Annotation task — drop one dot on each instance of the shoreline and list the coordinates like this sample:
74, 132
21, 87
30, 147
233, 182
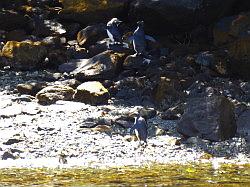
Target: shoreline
91, 136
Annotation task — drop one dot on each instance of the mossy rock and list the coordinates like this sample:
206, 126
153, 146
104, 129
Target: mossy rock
92, 92
25, 54
87, 11
51, 94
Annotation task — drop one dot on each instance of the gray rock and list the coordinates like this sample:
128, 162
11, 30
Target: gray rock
102, 66
205, 59
8, 155
124, 123
12, 141
243, 123
211, 118
71, 65
148, 113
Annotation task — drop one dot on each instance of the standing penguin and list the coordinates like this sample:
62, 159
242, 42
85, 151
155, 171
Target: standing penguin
140, 129
113, 31
139, 39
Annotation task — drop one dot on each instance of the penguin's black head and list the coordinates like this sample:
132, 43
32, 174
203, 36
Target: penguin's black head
140, 23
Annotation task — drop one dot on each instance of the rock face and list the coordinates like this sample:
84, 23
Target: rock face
91, 34
51, 94
168, 15
24, 55
243, 124
233, 32
102, 66
211, 118
86, 11
92, 92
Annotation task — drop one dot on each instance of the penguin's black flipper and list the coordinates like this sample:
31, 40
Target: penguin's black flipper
150, 38
130, 39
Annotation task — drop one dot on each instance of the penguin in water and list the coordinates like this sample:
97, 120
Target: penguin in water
140, 129
139, 39
113, 31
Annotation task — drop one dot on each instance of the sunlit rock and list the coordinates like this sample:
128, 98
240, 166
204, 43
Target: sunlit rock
92, 92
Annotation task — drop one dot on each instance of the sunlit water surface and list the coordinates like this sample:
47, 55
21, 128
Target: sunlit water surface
159, 175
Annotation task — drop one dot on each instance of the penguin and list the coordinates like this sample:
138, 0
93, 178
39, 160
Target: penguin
139, 39
113, 31
140, 129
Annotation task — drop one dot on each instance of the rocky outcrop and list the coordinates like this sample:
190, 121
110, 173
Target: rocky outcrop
24, 55
92, 92
86, 11
51, 94
233, 33
168, 16
211, 118
102, 66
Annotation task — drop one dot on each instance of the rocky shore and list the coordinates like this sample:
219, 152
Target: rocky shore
67, 97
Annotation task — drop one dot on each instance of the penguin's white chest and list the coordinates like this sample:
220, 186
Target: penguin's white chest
110, 36
137, 134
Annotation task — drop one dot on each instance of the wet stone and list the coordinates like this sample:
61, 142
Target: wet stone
8, 155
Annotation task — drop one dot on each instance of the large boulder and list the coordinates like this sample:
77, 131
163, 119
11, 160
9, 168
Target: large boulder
166, 92
233, 33
102, 66
243, 124
71, 65
168, 15
89, 11
51, 94
92, 92
24, 55
91, 34
210, 118
30, 88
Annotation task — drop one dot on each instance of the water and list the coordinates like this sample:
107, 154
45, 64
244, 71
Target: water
159, 175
